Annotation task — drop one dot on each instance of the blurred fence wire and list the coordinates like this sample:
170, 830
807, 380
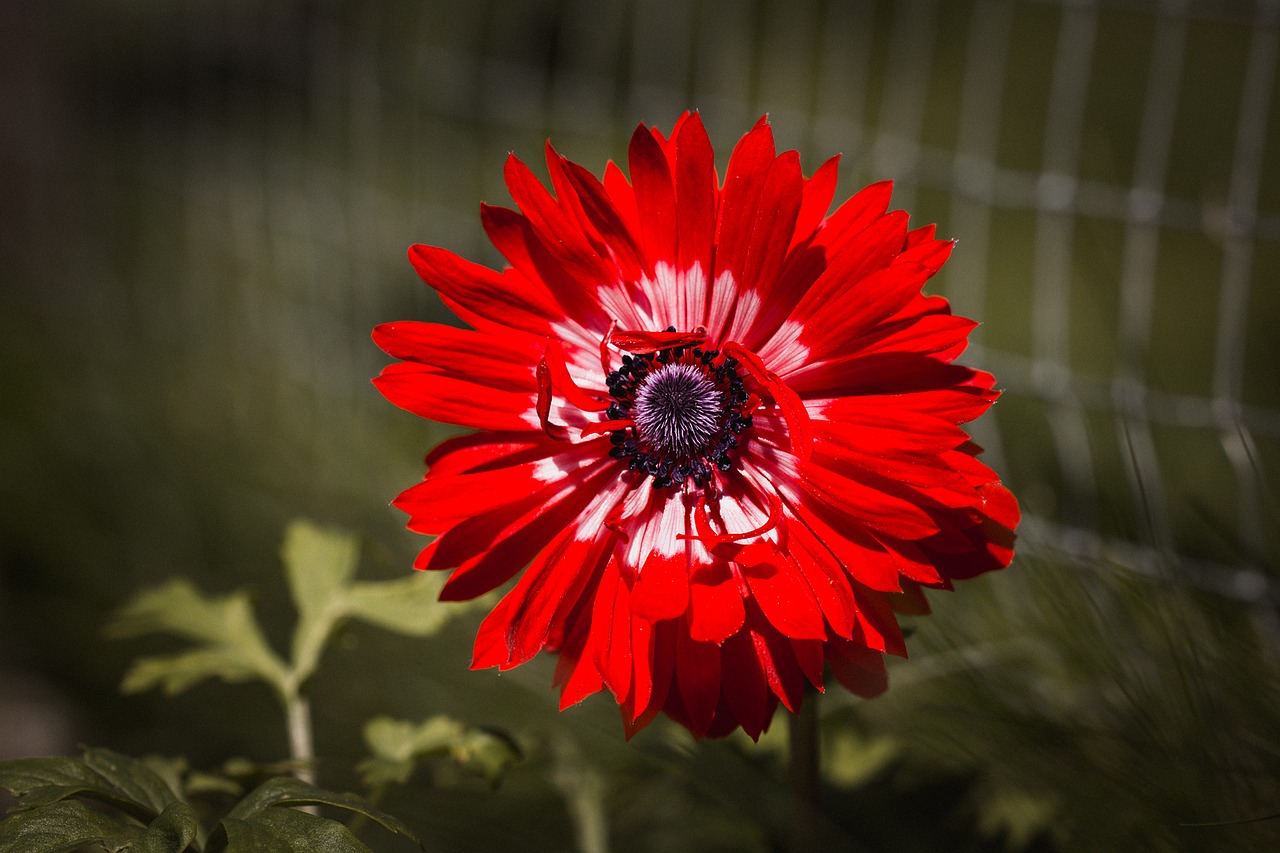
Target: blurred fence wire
206, 206
233, 185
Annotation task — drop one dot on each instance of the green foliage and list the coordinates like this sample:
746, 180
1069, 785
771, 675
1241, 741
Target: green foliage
148, 815
398, 746
229, 642
69, 825
118, 780
266, 821
147, 801
320, 566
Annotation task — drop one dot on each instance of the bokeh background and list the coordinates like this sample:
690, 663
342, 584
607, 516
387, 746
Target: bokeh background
204, 209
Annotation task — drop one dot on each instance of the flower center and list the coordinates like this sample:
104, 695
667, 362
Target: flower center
676, 410
687, 407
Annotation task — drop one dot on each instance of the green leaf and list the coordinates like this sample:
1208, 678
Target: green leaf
398, 746
289, 831
230, 644
124, 782
288, 791
172, 832
409, 605
198, 784
488, 754
319, 564
401, 739
66, 826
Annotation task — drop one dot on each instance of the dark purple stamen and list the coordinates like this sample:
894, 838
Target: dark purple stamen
687, 405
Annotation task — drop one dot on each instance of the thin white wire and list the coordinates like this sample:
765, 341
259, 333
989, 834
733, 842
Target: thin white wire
842, 85
971, 173
981, 96
1051, 294
1237, 267
896, 149
661, 54
1138, 274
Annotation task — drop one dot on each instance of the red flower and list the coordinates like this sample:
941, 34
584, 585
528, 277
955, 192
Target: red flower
718, 431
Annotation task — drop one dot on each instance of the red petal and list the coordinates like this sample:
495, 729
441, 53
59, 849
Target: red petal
816, 200
825, 577
511, 548
427, 393
612, 614
877, 427
859, 553
781, 672
749, 166
440, 501
549, 589
655, 198
849, 315
662, 589
576, 671
810, 259
793, 410
698, 680
641, 655
504, 362
768, 226
743, 684
876, 509
477, 292
873, 250
785, 598
695, 179
490, 648
809, 658
715, 603
877, 628
858, 669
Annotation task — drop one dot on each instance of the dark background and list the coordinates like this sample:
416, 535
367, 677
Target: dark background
205, 208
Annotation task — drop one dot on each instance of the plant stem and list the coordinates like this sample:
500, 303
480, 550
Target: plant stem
802, 733
297, 710
583, 793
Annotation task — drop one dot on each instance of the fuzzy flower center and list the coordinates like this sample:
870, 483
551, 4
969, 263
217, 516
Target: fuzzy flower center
676, 410
687, 408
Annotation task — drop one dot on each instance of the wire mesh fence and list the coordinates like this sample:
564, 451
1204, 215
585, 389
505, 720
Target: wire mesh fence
208, 205
239, 200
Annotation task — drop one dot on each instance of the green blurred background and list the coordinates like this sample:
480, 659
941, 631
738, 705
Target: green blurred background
206, 207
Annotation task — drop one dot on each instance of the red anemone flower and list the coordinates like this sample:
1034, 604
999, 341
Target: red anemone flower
718, 431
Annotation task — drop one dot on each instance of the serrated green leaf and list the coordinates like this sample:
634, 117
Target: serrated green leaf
288, 791
398, 746
171, 832
19, 776
319, 564
176, 673
241, 768
198, 784
288, 831
63, 827
132, 778
170, 769
401, 739
124, 782
409, 605
486, 753
230, 642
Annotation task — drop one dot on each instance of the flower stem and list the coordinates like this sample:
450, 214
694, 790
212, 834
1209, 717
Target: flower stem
805, 784
297, 711
583, 793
